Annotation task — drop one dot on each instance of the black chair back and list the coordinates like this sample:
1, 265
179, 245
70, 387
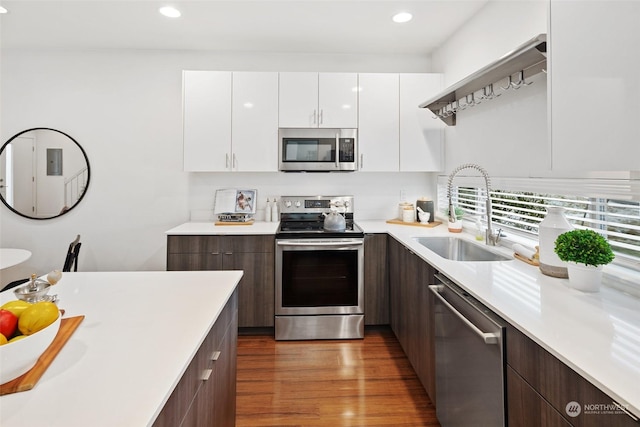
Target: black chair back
71, 261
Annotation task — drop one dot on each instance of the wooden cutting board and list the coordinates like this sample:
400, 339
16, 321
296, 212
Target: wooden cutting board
29, 380
250, 222
416, 224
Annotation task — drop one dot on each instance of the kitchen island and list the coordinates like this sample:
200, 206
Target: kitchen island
140, 334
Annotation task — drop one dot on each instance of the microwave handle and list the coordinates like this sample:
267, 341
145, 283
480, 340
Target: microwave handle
337, 150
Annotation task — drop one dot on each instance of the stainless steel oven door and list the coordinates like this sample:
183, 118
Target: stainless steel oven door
319, 276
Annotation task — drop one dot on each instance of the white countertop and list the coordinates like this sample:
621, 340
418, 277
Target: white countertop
597, 335
141, 330
209, 228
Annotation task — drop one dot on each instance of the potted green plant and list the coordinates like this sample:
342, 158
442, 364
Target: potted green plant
585, 252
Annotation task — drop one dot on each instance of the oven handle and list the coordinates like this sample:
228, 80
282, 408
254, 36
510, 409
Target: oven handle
488, 337
313, 242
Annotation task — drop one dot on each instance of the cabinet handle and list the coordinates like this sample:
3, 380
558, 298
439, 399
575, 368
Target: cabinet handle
215, 253
226, 161
235, 162
361, 160
314, 117
228, 253
321, 116
206, 374
215, 356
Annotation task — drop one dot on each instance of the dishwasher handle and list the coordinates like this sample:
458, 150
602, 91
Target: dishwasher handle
487, 337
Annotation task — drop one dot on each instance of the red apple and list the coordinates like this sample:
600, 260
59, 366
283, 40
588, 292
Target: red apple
8, 323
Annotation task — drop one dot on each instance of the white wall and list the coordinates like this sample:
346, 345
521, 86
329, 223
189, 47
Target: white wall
124, 108
508, 135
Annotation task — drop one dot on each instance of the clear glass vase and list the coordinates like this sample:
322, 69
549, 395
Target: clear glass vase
553, 225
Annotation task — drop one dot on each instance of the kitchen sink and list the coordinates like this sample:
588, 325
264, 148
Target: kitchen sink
457, 249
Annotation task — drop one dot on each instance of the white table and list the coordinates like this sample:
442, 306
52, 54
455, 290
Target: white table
10, 257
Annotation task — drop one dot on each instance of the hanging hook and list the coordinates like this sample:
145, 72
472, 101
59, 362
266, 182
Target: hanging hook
472, 102
512, 84
522, 82
489, 93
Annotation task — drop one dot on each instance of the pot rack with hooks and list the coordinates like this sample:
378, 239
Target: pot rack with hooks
515, 68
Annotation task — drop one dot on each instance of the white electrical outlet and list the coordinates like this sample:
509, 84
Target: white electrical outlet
403, 195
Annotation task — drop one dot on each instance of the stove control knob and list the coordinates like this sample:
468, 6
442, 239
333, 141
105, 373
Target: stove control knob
298, 204
287, 203
346, 203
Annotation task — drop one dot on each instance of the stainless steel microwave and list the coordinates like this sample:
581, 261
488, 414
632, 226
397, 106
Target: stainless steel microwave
318, 150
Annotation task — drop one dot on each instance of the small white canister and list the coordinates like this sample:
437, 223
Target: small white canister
401, 207
408, 213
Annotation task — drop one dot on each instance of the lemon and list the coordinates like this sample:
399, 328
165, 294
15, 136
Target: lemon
16, 338
37, 317
3, 339
16, 307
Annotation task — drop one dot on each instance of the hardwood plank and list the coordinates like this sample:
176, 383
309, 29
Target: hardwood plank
365, 382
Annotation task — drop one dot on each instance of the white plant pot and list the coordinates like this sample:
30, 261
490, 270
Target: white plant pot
586, 278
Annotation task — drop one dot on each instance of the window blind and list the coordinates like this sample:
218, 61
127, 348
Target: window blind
615, 216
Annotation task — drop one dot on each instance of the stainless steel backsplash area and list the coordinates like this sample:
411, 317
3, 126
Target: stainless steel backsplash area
376, 194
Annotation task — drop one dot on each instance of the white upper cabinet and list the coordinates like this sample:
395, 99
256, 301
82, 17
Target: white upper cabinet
207, 120
230, 121
326, 100
255, 122
379, 122
421, 137
338, 100
595, 89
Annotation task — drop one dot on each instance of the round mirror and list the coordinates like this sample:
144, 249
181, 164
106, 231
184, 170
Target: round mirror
44, 173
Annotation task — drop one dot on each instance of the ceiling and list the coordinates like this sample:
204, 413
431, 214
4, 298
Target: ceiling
289, 26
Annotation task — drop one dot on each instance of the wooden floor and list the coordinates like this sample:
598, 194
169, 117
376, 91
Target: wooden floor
329, 383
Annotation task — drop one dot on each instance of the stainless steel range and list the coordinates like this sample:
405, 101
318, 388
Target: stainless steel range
319, 272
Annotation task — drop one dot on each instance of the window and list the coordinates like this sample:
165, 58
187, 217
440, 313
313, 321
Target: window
521, 212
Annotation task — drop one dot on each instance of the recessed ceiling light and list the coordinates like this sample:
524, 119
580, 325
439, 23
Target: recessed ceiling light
402, 17
170, 12
3, 10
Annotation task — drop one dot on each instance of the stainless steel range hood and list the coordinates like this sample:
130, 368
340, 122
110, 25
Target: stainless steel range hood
529, 58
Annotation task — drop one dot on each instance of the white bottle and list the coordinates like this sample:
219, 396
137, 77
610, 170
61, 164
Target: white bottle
267, 212
274, 211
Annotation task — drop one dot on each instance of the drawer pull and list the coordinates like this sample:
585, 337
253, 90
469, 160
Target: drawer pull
206, 374
215, 355
215, 253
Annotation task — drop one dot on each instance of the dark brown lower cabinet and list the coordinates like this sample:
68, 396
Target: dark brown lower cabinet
527, 408
376, 280
254, 254
412, 319
206, 394
538, 381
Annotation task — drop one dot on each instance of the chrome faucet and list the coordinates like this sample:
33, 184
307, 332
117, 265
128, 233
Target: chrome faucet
490, 238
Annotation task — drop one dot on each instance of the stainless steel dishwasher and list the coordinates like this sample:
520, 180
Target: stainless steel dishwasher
469, 346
